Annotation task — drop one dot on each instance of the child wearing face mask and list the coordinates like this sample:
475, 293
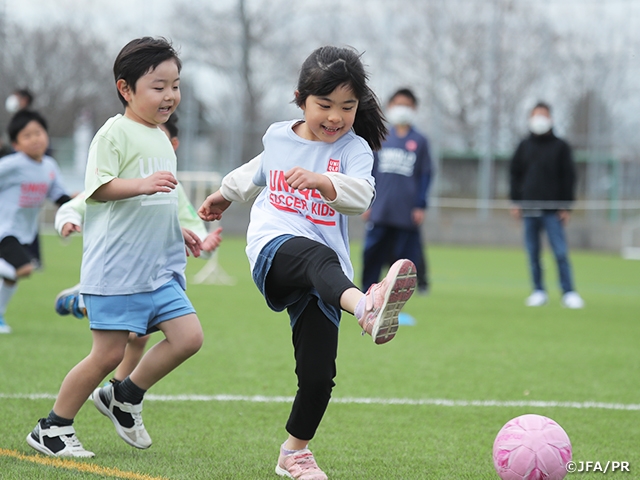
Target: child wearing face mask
542, 186
402, 170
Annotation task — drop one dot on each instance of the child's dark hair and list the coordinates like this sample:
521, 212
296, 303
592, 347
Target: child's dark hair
405, 92
20, 120
140, 56
172, 126
330, 67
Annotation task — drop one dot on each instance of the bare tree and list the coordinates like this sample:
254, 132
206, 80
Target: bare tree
466, 58
246, 47
67, 69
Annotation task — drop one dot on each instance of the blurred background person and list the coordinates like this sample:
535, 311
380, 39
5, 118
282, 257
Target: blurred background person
402, 169
22, 99
543, 180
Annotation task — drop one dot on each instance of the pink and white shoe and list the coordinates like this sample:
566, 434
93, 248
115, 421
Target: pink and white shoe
384, 301
299, 465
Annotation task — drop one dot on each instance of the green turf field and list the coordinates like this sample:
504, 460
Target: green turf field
474, 341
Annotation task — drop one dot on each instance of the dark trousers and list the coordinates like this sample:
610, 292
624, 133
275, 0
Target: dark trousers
301, 263
384, 245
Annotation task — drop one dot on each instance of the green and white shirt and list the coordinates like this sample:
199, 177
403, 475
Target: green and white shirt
74, 211
133, 245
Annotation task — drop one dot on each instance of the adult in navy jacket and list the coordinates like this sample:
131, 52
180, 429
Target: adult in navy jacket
402, 170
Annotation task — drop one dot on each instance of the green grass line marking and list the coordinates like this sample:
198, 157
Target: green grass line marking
81, 467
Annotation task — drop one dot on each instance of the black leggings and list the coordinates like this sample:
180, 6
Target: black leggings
301, 263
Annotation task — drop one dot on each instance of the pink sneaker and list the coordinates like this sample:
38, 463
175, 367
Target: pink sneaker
300, 465
384, 301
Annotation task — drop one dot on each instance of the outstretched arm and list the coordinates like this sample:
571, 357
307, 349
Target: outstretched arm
121, 188
237, 186
213, 207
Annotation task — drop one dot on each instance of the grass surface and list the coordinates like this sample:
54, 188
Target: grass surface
473, 340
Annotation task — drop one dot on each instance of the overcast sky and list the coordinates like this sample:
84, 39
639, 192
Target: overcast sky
118, 19
149, 17
121, 11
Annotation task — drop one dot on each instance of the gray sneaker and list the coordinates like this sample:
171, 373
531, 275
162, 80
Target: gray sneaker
56, 441
126, 417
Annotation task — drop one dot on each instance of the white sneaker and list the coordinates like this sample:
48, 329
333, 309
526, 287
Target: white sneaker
56, 441
572, 300
127, 418
537, 299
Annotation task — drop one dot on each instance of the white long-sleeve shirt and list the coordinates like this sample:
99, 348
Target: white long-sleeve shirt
280, 209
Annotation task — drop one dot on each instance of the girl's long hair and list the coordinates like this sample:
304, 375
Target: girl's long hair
330, 67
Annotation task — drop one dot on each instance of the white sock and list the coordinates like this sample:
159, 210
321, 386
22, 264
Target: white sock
6, 292
7, 270
359, 311
290, 452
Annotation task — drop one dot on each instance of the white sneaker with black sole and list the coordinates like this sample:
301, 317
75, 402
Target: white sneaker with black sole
56, 441
126, 417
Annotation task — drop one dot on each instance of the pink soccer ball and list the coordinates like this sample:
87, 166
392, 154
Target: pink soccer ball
531, 447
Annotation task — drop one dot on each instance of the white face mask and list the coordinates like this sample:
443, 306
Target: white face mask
401, 115
540, 124
12, 104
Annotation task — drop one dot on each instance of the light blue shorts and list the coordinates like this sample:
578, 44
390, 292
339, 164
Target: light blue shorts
139, 312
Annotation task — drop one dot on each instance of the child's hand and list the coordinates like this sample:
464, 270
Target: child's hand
192, 241
418, 215
68, 228
299, 178
213, 207
159, 182
212, 241
302, 179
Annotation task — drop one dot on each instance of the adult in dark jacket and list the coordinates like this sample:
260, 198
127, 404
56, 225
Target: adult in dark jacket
543, 179
402, 169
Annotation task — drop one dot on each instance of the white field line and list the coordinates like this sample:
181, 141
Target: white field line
440, 402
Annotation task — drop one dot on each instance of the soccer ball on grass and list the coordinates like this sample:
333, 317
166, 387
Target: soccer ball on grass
531, 447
